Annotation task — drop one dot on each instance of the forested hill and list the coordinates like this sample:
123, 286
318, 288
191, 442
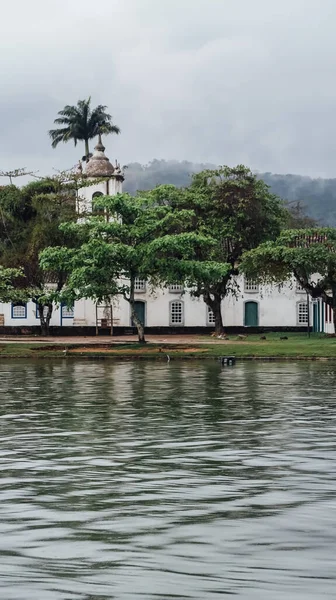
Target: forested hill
318, 196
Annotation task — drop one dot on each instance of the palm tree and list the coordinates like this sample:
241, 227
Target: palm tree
82, 123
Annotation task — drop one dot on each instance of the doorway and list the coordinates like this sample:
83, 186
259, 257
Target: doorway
139, 308
251, 316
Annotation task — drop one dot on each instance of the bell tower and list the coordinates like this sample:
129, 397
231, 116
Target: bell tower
105, 179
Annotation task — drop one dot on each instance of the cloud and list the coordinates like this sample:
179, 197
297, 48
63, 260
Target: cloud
222, 81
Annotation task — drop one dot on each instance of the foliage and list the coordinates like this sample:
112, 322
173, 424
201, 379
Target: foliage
30, 219
221, 214
111, 254
193, 236
10, 289
82, 123
307, 254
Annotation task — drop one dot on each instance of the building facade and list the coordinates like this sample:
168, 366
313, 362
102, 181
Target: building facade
176, 309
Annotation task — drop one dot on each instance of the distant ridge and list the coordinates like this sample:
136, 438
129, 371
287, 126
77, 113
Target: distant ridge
318, 196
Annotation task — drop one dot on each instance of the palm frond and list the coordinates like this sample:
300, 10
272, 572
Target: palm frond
62, 121
82, 123
60, 135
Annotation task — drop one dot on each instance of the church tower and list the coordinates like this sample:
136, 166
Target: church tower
105, 179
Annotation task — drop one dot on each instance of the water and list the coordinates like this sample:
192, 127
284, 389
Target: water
180, 480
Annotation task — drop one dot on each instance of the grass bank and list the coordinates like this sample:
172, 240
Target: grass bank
296, 346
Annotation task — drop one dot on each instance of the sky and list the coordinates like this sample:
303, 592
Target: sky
221, 81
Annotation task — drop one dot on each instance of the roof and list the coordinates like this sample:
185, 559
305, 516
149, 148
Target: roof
99, 165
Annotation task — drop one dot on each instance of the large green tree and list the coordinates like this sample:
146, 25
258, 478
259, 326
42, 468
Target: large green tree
231, 209
29, 221
115, 249
82, 123
308, 255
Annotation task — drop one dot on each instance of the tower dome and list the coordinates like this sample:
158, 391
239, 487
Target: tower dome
99, 165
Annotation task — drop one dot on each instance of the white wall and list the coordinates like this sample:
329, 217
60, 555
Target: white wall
111, 188
31, 319
277, 308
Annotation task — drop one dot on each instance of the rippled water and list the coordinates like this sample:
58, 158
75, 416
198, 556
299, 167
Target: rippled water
180, 480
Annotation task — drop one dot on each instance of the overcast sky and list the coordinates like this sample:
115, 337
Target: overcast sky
223, 81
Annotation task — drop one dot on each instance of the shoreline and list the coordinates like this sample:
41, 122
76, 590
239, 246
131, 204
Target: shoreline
252, 348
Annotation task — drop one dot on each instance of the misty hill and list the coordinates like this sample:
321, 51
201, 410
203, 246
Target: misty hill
318, 196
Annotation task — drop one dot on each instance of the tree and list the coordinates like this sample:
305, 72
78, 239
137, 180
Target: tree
223, 213
309, 255
82, 123
30, 219
22, 172
111, 252
193, 236
10, 289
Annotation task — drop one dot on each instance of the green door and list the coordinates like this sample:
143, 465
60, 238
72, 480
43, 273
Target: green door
139, 308
251, 318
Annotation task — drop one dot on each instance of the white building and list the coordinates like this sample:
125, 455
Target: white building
173, 308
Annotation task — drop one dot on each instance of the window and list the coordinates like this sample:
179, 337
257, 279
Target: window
67, 312
302, 313
176, 288
45, 311
251, 286
176, 313
139, 285
96, 211
210, 316
19, 310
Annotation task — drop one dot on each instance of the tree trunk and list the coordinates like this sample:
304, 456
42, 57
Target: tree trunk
45, 319
87, 151
214, 303
219, 327
139, 325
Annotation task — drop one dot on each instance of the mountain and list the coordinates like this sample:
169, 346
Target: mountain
316, 196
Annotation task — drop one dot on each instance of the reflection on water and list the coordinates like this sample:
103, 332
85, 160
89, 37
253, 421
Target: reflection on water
180, 480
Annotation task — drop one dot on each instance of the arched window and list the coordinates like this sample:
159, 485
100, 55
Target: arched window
19, 310
96, 211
